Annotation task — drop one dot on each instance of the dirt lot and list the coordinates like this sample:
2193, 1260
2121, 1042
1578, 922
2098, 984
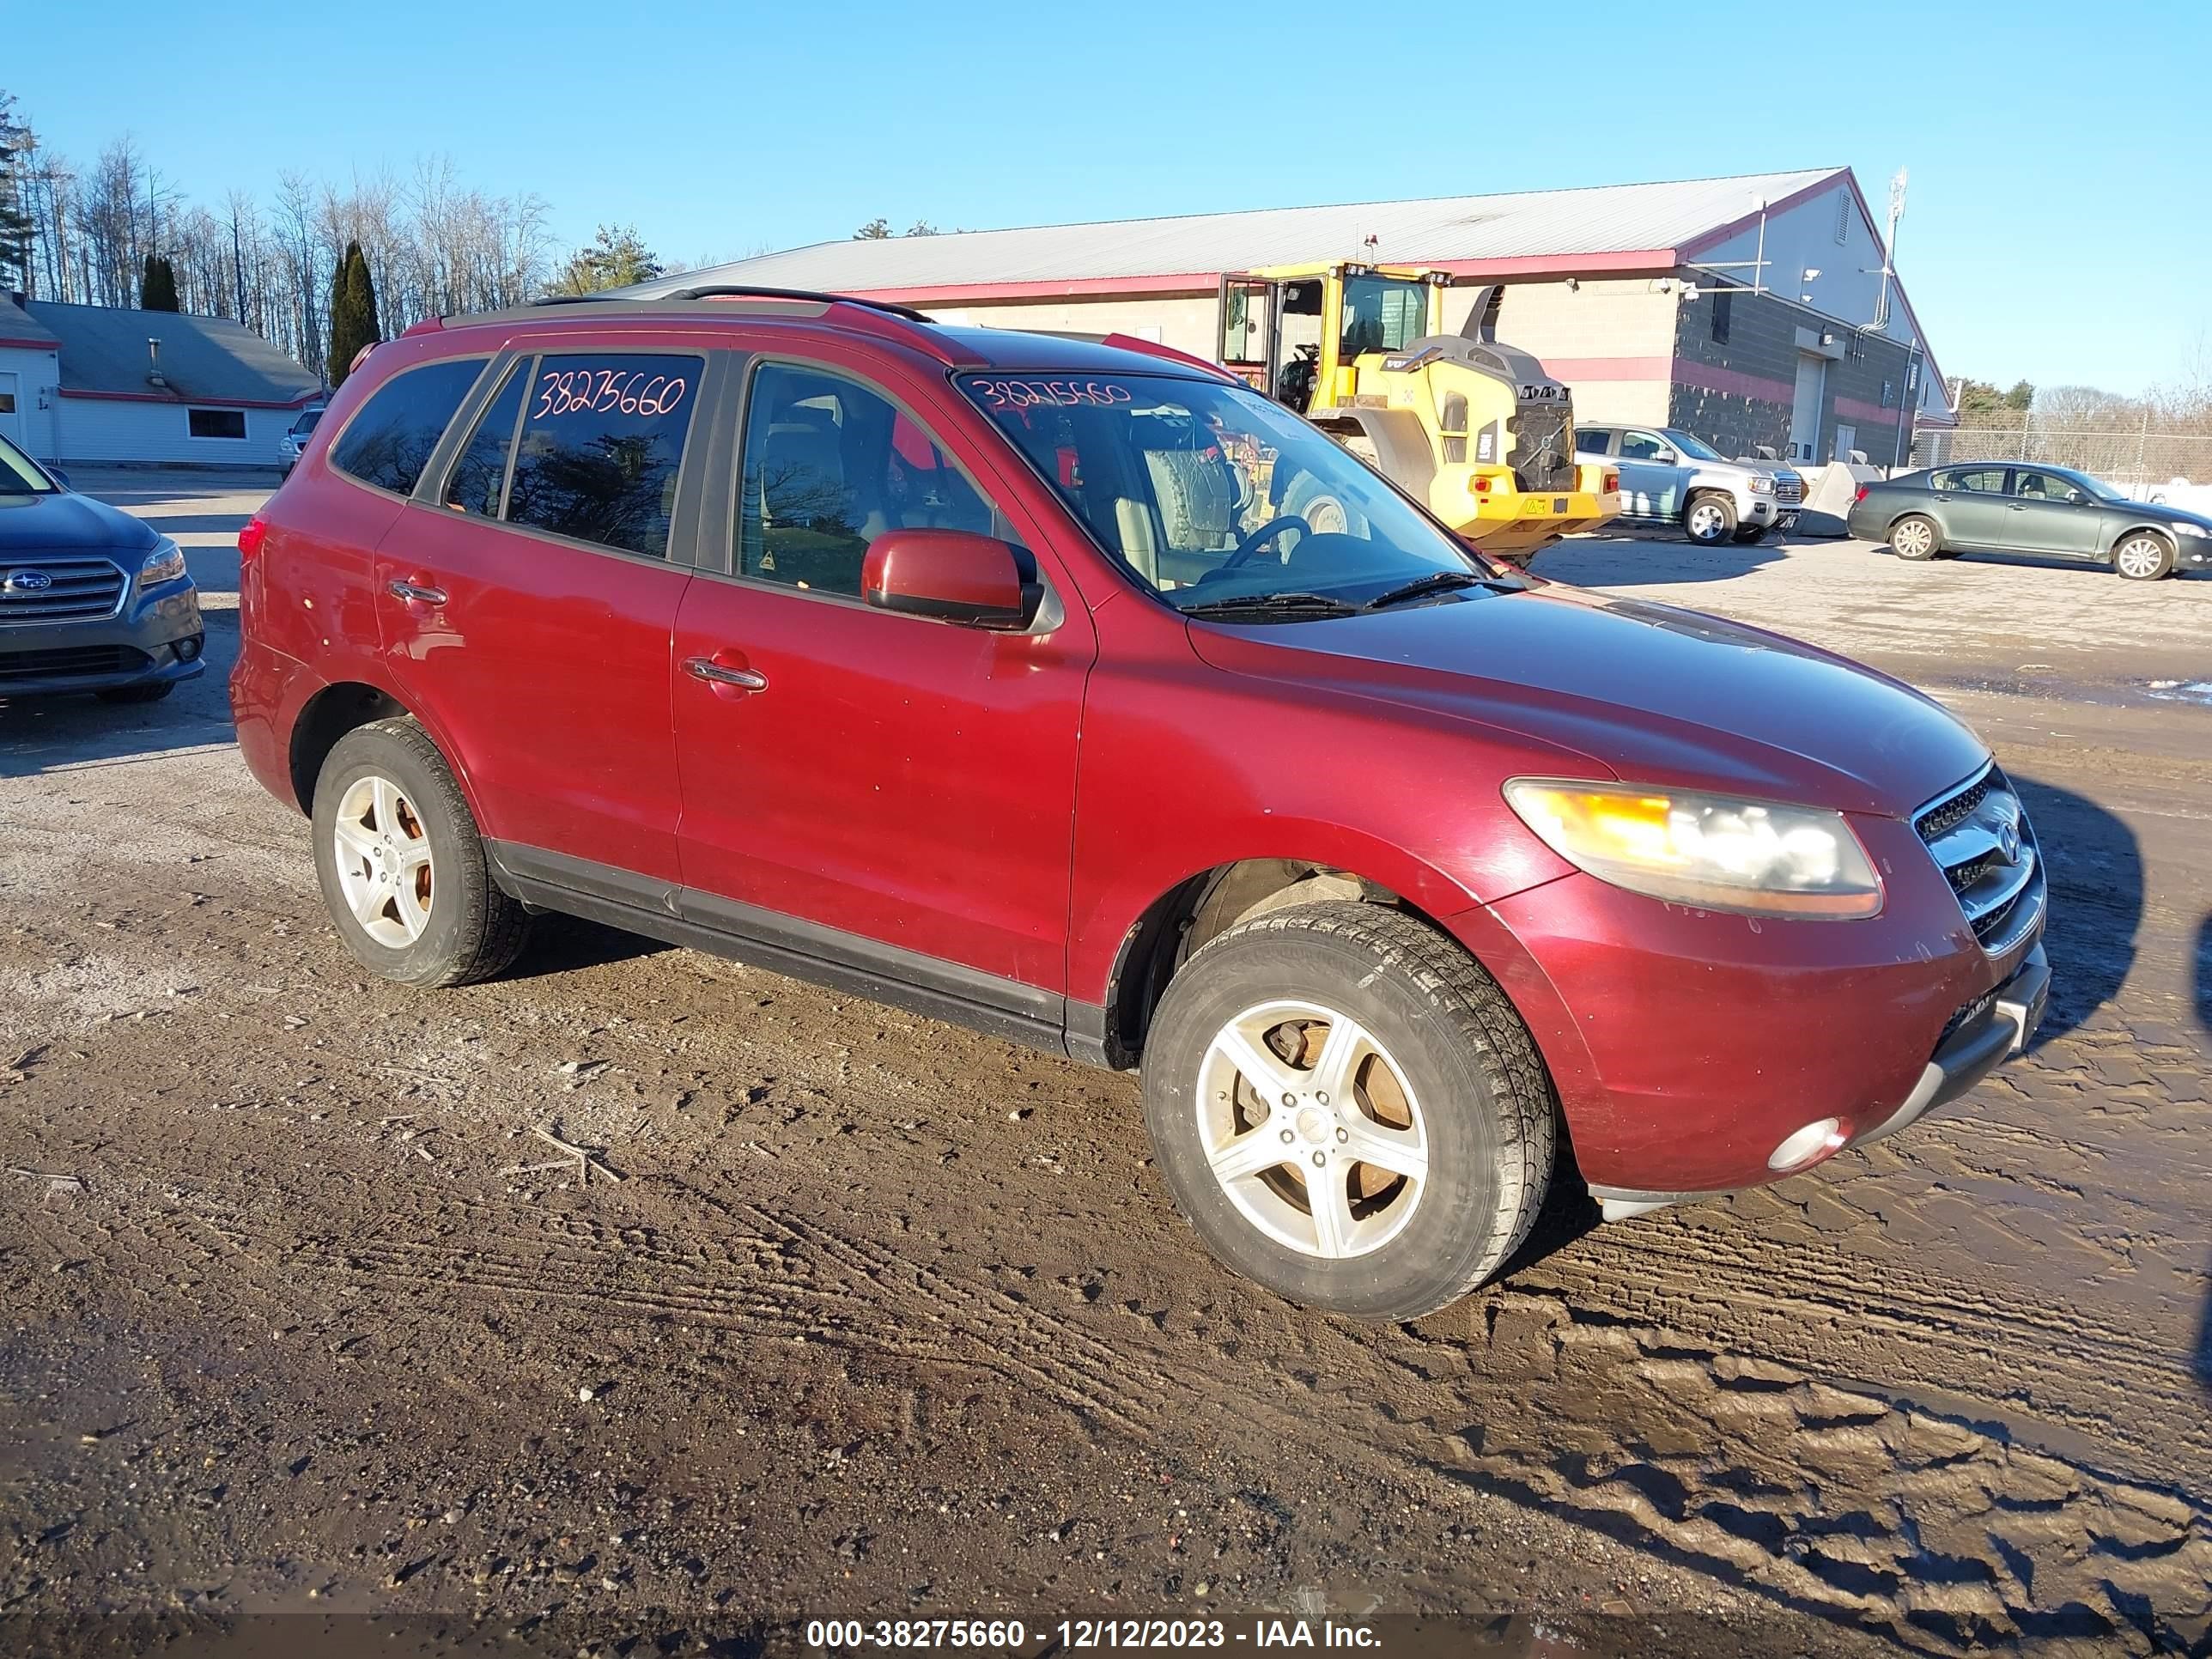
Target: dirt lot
889, 1320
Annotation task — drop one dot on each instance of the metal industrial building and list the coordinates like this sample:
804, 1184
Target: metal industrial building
1755, 310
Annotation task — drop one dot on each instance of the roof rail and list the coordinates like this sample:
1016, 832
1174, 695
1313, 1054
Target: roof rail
741, 291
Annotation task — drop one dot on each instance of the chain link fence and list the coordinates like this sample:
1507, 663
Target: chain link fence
2140, 461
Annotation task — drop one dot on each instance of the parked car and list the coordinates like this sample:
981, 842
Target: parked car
91, 599
296, 435
1670, 477
1996, 507
983, 673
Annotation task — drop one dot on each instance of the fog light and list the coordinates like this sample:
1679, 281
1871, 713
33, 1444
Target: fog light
187, 649
1809, 1145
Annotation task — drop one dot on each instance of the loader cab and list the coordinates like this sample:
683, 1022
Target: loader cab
1296, 333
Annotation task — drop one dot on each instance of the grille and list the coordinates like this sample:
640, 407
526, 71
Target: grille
1540, 457
1969, 832
1789, 488
76, 589
72, 662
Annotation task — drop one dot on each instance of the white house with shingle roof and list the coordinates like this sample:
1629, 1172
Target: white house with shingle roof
110, 384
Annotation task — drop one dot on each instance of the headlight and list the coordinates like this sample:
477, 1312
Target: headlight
1709, 851
164, 564
1762, 486
2189, 529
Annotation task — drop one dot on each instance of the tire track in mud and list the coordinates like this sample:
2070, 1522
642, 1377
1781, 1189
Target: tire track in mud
1786, 1298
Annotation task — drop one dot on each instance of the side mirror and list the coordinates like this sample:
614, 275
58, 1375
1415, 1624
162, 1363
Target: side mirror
1666, 458
2075, 497
952, 576
61, 478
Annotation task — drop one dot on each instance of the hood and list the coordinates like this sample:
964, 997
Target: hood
68, 523
2158, 513
1647, 693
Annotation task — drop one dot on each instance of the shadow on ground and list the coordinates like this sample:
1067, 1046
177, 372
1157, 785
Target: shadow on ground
1608, 561
2096, 879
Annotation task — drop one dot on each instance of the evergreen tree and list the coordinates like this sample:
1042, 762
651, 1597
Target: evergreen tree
874, 231
616, 257
157, 289
353, 313
15, 223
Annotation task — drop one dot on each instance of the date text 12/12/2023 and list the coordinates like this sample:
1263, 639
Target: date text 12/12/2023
1000, 1636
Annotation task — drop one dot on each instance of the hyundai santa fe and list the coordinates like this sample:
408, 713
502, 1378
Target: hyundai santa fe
984, 673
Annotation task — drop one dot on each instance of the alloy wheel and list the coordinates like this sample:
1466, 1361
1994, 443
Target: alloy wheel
384, 864
1706, 523
1312, 1129
1913, 540
2140, 557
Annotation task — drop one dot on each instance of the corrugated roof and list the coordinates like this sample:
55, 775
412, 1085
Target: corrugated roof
1529, 224
204, 359
17, 324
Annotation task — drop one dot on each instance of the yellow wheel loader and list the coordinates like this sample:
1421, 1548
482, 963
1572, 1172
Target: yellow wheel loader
1475, 431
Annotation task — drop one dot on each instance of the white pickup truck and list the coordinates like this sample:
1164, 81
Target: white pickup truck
1672, 478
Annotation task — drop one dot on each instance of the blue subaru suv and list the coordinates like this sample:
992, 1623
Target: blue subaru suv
91, 599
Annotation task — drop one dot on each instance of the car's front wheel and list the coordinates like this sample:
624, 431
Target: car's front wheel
2143, 557
1709, 520
1348, 1109
402, 868
1915, 537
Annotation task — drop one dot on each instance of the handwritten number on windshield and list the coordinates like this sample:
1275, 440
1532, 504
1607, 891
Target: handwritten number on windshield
608, 392
1026, 394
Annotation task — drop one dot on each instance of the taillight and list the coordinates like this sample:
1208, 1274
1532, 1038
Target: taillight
1613, 482
251, 537
1480, 486
1860, 496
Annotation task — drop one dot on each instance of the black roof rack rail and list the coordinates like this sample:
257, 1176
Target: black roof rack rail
741, 291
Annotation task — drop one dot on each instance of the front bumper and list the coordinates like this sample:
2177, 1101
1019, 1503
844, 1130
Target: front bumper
2191, 552
156, 636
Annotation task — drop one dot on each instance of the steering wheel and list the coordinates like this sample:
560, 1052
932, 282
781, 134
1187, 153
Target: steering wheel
1259, 538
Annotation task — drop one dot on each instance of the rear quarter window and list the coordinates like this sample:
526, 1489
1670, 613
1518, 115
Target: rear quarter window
601, 445
390, 437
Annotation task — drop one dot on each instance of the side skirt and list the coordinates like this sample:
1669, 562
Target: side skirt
822, 956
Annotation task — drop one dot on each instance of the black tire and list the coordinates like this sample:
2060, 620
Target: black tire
474, 931
1709, 518
1491, 1120
1916, 536
2143, 555
152, 692
1746, 534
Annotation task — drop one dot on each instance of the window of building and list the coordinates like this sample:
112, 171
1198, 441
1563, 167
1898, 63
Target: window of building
215, 422
600, 447
390, 437
1723, 304
479, 476
829, 466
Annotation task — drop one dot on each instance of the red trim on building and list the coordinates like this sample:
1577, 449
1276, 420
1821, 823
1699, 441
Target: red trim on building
179, 401
31, 345
1852, 409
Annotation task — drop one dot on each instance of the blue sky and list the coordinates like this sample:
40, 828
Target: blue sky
2059, 229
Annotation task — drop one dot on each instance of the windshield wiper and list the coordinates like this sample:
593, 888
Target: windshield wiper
1439, 581
1285, 607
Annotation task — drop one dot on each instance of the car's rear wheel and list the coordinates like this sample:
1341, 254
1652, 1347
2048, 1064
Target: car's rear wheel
402, 868
1348, 1109
2143, 557
1915, 537
153, 692
1709, 518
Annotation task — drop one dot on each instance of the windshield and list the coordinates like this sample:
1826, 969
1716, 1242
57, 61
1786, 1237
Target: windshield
2096, 491
1209, 492
1697, 448
306, 423
19, 474
1383, 313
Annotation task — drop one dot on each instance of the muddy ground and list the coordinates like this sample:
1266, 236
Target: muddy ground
888, 1320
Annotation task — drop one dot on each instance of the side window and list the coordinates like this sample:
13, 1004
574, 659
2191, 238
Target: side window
480, 473
2042, 487
1592, 441
1640, 447
1980, 481
601, 444
829, 466
389, 439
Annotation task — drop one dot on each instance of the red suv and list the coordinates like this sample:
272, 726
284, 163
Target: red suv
1074, 691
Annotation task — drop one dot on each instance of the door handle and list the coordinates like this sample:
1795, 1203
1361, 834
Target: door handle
415, 593
741, 679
